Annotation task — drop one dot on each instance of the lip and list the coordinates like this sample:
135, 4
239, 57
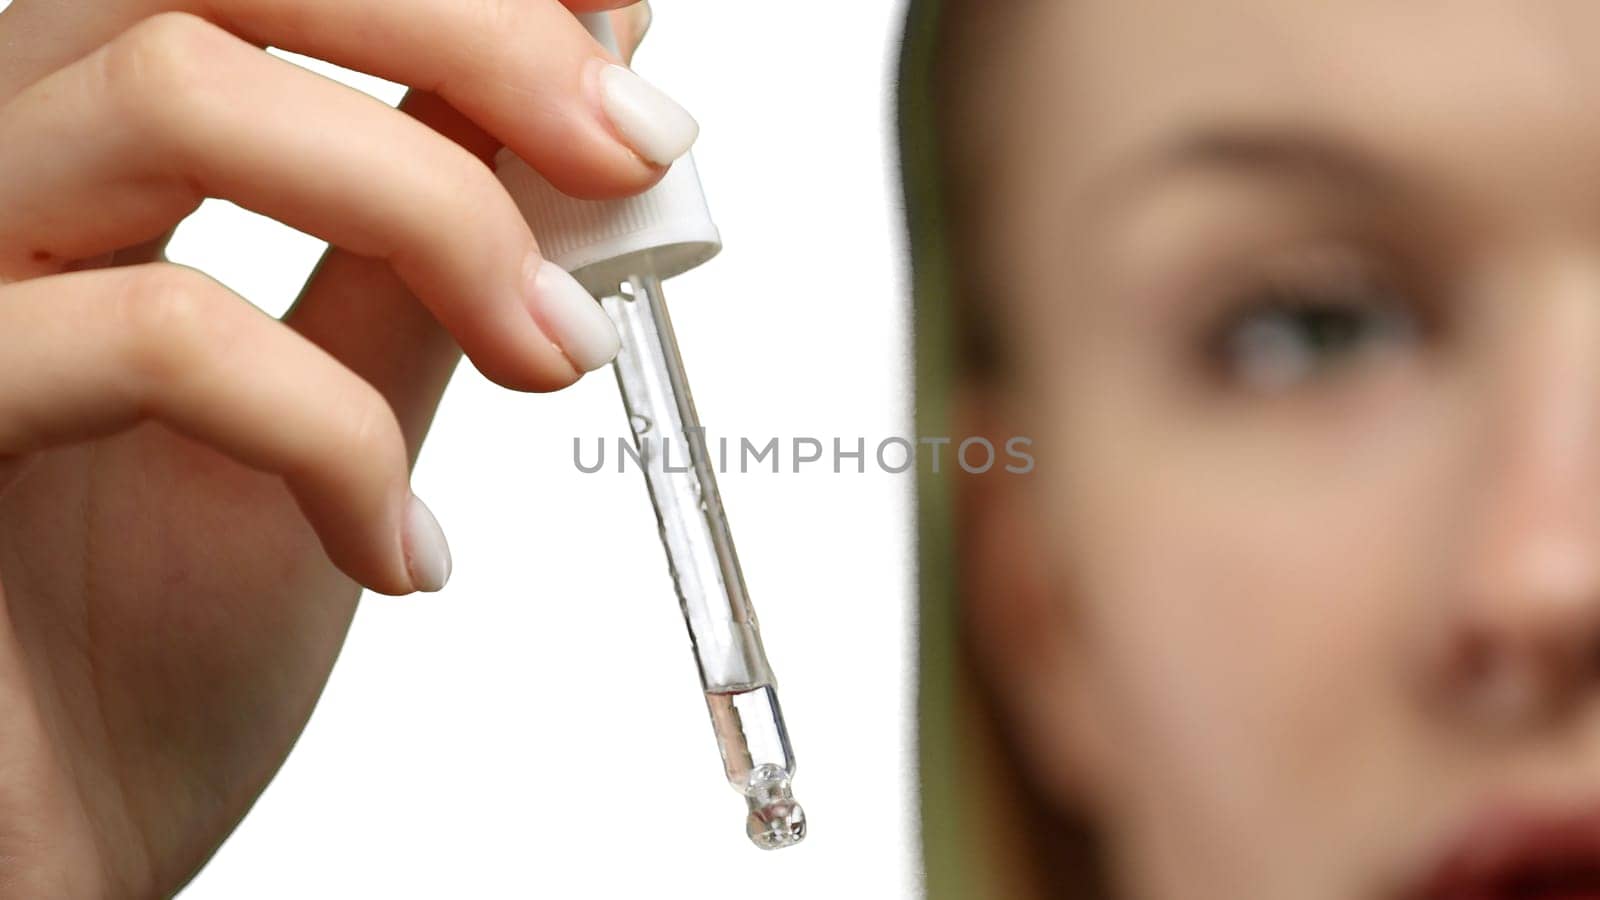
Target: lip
1519, 853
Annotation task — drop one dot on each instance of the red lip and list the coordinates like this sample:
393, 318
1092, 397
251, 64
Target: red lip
1520, 854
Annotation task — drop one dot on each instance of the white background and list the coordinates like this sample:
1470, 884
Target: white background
537, 729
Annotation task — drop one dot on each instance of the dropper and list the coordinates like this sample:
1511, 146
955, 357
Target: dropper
622, 250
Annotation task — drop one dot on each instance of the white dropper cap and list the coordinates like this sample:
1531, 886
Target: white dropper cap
663, 232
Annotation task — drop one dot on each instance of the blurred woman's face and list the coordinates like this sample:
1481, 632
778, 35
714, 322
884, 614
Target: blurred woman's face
1303, 597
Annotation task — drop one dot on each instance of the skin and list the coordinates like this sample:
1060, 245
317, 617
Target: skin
192, 494
1285, 614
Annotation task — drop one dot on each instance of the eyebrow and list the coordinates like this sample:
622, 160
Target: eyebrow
1296, 155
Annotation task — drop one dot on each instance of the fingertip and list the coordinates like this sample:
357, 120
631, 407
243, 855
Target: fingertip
608, 169
646, 118
519, 356
570, 316
427, 551
366, 546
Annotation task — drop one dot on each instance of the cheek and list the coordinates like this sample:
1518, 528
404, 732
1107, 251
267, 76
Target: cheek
1248, 601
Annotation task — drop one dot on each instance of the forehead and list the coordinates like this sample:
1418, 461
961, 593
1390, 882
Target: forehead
1472, 83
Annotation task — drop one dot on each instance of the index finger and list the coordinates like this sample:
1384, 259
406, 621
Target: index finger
525, 71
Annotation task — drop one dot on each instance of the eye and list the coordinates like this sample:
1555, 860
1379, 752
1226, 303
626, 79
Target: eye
1288, 332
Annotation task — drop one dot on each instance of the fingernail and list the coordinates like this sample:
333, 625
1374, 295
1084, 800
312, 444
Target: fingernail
570, 317
427, 552
654, 124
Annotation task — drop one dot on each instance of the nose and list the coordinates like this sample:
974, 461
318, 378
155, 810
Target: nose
1527, 648
1522, 641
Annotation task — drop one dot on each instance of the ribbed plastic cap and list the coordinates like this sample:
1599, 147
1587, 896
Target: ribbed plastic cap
664, 231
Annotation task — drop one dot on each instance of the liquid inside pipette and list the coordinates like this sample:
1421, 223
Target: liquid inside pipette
759, 763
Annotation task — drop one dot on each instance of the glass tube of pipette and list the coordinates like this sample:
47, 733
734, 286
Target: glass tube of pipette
739, 687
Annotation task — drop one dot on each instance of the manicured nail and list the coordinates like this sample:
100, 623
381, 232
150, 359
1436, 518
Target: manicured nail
654, 124
427, 553
570, 317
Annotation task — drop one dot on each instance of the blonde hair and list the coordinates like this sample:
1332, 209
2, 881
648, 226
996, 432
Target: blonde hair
985, 834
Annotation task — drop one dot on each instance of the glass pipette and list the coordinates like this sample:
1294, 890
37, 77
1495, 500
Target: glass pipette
739, 688
621, 250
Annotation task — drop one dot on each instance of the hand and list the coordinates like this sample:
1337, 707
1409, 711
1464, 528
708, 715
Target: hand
192, 493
